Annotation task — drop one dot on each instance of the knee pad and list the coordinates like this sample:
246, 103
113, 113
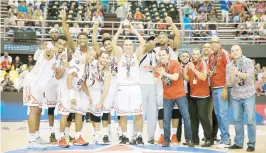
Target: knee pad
176, 114
118, 117
83, 118
95, 118
70, 117
160, 114
51, 110
105, 116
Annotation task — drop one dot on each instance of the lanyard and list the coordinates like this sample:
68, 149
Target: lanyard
128, 62
100, 73
197, 67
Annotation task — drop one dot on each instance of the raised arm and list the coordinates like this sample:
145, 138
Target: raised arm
118, 52
70, 41
176, 43
94, 38
142, 43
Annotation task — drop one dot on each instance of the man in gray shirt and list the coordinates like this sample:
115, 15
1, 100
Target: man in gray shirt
240, 75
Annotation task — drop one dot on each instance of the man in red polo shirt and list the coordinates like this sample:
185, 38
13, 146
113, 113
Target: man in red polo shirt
196, 74
169, 72
6, 61
218, 60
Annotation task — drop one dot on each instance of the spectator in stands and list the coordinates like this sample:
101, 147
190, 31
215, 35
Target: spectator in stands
261, 7
139, 26
22, 7
213, 13
138, 15
87, 15
6, 61
13, 10
17, 64
98, 17
205, 33
105, 6
75, 30
29, 21
187, 8
225, 8
194, 13
213, 27
196, 32
64, 6
7, 84
30, 9
78, 18
161, 25
30, 62
237, 7
98, 13
257, 70
203, 17
187, 25
38, 16
20, 22
260, 84
150, 28
263, 31
204, 8
10, 21
121, 12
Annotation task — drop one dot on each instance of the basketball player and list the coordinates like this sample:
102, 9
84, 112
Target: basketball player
111, 96
33, 92
74, 97
129, 99
99, 83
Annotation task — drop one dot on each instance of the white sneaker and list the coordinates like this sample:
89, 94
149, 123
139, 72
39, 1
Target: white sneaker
41, 141
98, 139
223, 145
35, 145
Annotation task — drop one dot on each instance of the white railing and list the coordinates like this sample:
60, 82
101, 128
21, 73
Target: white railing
42, 35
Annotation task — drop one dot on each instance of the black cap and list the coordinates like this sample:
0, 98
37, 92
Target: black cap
151, 38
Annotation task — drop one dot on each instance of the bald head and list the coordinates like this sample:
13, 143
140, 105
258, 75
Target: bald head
236, 52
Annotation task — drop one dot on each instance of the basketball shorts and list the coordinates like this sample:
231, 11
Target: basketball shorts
129, 100
50, 94
96, 97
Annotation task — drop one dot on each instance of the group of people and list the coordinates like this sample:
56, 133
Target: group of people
147, 82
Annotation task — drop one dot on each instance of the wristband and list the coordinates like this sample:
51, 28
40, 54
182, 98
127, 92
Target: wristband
71, 94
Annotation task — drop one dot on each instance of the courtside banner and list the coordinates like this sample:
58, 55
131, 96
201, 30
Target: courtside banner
19, 47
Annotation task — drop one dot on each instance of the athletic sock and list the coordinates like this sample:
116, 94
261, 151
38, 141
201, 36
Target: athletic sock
37, 134
173, 131
62, 134
162, 131
77, 135
105, 131
51, 129
67, 131
32, 137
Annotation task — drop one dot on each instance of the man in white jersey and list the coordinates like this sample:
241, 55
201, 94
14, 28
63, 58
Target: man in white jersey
74, 97
111, 96
99, 80
129, 99
33, 92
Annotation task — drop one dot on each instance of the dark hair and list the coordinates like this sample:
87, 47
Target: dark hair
186, 15
84, 34
166, 50
106, 39
104, 52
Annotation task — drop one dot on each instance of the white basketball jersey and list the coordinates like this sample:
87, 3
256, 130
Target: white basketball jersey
42, 72
96, 77
148, 59
128, 70
78, 67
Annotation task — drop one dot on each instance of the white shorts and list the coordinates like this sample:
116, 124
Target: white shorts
50, 94
110, 99
32, 96
129, 100
96, 97
65, 107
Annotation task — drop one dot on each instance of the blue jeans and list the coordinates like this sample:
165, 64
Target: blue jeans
168, 105
249, 107
221, 108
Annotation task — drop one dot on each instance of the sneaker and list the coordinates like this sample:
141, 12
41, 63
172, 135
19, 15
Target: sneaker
53, 139
250, 149
97, 139
35, 145
139, 140
151, 141
63, 143
124, 140
207, 144
80, 142
120, 137
223, 145
41, 141
71, 139
161, 140
174, 141
133, 142
166, 144
235, 147
105, 139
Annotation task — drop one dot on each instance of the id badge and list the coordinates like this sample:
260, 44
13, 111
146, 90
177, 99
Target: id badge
194, 81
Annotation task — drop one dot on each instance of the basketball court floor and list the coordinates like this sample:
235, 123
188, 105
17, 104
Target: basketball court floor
14, 136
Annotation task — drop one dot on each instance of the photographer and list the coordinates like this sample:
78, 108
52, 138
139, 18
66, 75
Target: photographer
7, 84
174, 93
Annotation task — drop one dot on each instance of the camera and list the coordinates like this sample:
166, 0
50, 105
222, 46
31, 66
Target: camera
168, 82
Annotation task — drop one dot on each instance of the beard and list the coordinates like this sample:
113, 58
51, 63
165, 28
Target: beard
55, 39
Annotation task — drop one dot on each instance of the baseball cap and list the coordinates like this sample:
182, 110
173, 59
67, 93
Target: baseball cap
151, 38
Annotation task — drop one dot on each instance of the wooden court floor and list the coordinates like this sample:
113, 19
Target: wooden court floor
14, 135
